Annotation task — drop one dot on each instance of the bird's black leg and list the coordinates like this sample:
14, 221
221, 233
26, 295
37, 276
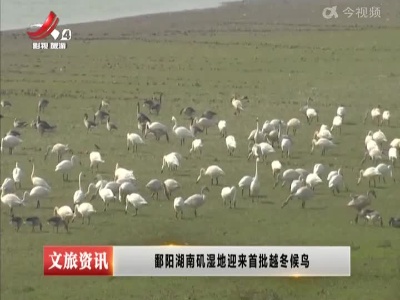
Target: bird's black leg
38, 204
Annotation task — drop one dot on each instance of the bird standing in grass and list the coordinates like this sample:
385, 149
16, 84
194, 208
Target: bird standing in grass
43, 103
34, 222
85, 210
213, 171
88, 124
136, 200
197, 200
17, 175
304, 193
179, 203
56, 222
229, 194
111, 126
16, 222
66, 166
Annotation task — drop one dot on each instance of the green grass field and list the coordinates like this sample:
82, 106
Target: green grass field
277, 71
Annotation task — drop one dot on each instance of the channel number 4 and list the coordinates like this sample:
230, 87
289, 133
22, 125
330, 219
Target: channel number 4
66, 35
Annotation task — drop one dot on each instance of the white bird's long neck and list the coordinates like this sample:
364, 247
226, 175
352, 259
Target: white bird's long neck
256, 175
258, 126
175, 124
80, 184
33, 170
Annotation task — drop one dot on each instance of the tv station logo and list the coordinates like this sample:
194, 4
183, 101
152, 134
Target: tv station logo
45, 30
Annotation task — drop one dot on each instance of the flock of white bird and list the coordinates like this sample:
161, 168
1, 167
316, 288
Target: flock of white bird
263, 141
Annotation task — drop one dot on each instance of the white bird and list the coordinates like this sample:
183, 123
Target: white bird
336, 181
341, 111
157, 128
332, 173
256, 135
368, 137
179, 203
386, 117
136, 200
8, 186
385, 170
286, 146
371, 144
302, 172
181, 132
323, 143
379, 137
229, 194
106, 195
155, 186
133, 139
58, 149
113, 186
287, 177
376, 115
204, 123
222, 128
267, 127
17, 174
245, 182
12, 200
311, 114
39, 192
319, 169
312, 180
38, 181
304, 193
170, 186
230, 144
197, 146
79, 194
296, 184
85, 209
10, 142
337, 123
276, 167
323, 133
122, 172
255, 151
125, 189
213, 171
293, 124
360, 202
170, 161
395, 143
64, 212
374, 154
371, 173
237, 105
255, 183
95, 160
392, 154
66, 166
197, 200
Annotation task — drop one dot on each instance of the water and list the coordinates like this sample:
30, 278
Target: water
20, 14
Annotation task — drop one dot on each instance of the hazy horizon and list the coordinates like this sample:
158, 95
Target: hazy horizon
17, 14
